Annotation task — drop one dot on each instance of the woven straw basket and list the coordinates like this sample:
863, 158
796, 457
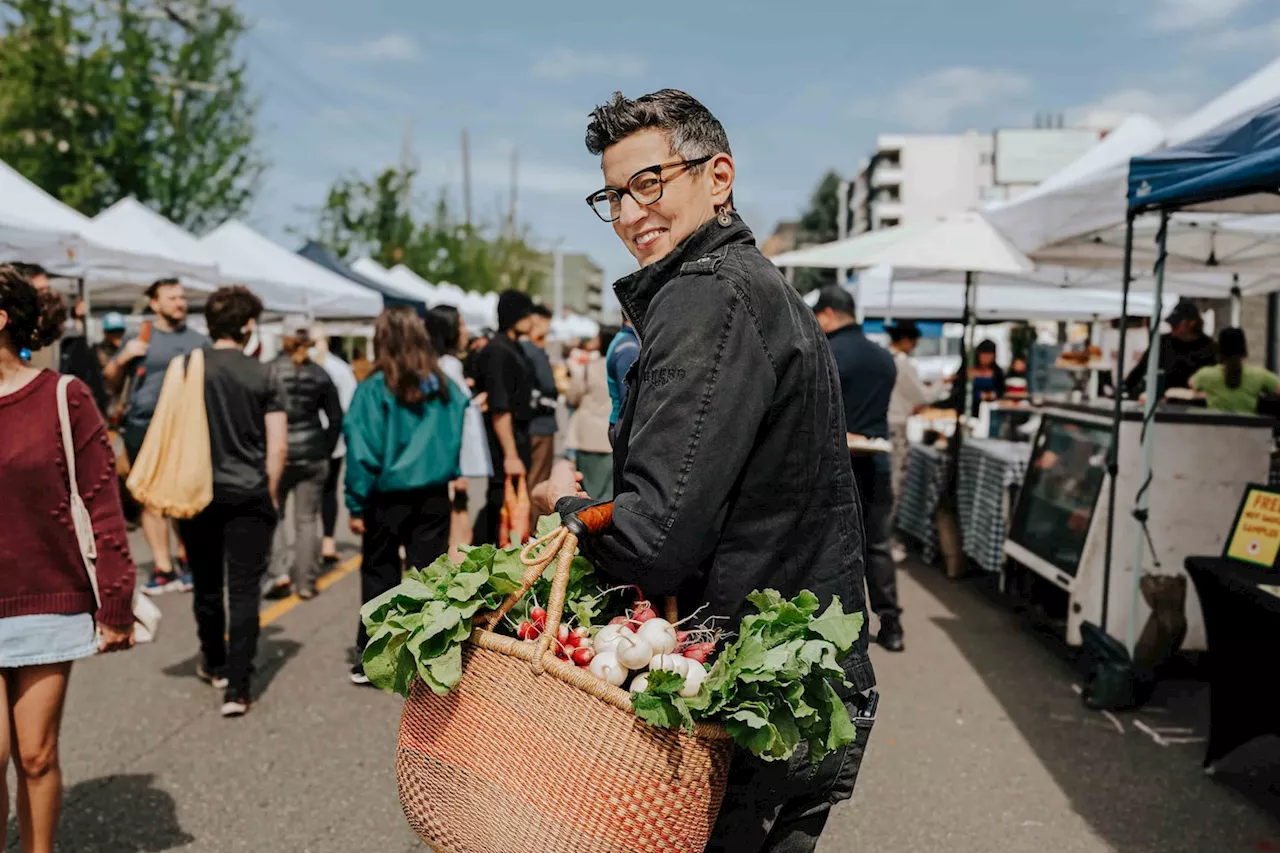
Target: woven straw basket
532, 754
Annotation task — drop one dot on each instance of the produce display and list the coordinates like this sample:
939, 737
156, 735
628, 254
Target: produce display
769, 686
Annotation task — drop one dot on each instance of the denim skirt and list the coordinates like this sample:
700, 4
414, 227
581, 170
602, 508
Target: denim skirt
46, 638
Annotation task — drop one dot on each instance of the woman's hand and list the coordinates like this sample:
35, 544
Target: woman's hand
115, 639
357, 526
565, 482
481, 401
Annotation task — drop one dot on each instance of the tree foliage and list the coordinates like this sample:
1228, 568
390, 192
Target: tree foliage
379, 217
819, 224
99, 101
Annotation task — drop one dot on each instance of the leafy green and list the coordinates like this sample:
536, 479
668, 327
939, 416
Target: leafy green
771, 686
660, 704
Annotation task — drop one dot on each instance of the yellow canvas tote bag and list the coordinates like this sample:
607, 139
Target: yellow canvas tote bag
173, 474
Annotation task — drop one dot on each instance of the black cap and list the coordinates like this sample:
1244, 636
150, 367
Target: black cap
513, 306
1184, 310
837, 299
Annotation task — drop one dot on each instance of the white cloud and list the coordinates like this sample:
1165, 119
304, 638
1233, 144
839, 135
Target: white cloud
931, 102
388, 48
566, 64
1193, 14
1263, 37
1111, 109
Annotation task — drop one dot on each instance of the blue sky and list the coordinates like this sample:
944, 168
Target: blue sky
801, 87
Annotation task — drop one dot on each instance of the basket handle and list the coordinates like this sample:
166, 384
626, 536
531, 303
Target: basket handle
558, 546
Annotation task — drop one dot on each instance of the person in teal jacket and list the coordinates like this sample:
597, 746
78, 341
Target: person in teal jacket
404, 437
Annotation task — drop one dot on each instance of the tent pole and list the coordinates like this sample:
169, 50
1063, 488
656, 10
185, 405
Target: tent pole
1113, 458
83, 291
1143, 503
968, 360
1236, 299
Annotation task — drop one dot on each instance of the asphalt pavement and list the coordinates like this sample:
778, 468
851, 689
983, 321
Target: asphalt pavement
982, 745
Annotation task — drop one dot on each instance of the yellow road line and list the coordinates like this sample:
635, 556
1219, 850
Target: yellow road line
284, 605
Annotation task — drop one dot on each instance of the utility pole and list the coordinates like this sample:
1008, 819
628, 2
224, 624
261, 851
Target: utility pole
842, 224
408, 162
515, 181
557, 279
466, 177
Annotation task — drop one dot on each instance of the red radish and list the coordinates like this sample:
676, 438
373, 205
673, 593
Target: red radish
526, 632
539, 617
682, 637
562, 635
697, 655
643, 612
582, 656
583, 633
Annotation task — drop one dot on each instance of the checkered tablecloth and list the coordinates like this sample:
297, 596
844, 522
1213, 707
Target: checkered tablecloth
989, 470
921, 490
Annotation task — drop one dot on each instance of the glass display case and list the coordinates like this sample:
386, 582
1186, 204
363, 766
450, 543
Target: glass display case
1056, 505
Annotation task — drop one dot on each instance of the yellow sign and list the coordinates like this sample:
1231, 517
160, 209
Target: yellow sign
1256, 537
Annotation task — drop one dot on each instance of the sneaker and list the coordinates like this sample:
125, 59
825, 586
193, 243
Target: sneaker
236, 707
218, 682
184, 583
279, 588
162, 582
358, 677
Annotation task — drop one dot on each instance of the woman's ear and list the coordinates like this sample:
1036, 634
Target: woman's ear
722, 174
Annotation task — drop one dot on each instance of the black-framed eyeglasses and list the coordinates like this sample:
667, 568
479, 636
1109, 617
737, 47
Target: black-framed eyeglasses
645, 186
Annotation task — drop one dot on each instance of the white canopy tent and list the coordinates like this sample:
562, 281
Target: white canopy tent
1077, 217
574, 326
412, 288
37, 228
940, 300
132, 224
292, 282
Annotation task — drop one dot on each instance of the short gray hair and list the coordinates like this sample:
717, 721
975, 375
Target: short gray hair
690, 128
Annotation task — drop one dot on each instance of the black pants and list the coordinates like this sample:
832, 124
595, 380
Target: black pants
416, 520
329, 498
875, 492
783, 807
228, 546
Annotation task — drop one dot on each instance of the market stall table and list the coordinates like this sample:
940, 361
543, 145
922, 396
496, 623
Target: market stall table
1243, 625
921, 493
990, 470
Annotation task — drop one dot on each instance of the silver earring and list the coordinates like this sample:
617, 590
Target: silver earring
724, 218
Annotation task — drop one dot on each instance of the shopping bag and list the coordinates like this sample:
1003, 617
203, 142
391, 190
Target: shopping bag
173, 474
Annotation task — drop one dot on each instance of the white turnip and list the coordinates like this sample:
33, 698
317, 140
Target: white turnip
607, 638
640, 683
606, 667
670, 663
693, 679
659, 634
633, 652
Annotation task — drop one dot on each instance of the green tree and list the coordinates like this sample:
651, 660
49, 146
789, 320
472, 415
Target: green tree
102, 100
819, 224
377, 217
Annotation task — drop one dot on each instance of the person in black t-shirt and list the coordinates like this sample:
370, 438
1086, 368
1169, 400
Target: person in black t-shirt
502, 371
231, 538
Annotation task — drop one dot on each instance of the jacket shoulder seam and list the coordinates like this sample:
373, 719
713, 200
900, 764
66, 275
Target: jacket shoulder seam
742, 295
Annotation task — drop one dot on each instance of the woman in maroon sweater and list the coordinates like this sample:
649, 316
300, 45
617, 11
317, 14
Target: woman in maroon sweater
48, 616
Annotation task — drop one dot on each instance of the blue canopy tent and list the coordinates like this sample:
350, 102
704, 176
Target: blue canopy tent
321, 255
1232, 168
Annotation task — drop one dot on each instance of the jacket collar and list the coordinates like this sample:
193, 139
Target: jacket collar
637, 290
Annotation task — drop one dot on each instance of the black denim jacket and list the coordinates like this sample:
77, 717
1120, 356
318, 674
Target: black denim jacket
731, 469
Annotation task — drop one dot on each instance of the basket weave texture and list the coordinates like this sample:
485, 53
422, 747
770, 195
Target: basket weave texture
513, 759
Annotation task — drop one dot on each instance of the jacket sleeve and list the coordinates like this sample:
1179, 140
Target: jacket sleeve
96, 479
363, 428
332, 405
705, 385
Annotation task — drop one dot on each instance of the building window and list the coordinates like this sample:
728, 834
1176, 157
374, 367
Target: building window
987, 158
890, 222
891, 159
890, 192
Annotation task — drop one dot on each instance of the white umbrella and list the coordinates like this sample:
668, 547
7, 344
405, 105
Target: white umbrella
962, 243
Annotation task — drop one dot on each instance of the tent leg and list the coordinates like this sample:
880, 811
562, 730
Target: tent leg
967, 362
1142, 504
1236, 299
1113, 458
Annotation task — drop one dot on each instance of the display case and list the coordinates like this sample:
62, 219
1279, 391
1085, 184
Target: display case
1202, 463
